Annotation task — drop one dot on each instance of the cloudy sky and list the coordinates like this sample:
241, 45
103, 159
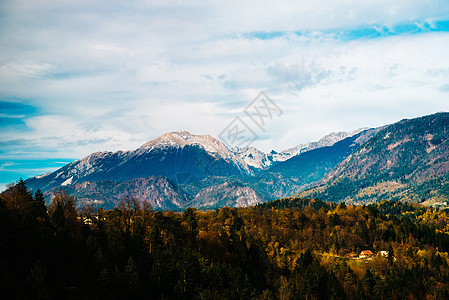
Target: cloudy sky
79, 76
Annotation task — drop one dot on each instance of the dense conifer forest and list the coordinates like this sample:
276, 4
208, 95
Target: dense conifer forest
286, 249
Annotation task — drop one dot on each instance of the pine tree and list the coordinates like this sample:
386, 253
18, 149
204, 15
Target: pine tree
40, 208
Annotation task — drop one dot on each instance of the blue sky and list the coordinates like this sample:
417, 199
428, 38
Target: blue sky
83, 76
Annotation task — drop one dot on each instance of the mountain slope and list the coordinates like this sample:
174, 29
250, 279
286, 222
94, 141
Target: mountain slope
325, 141
309, 167
158, 191
232, 193
408, 160
177, 155
258, 160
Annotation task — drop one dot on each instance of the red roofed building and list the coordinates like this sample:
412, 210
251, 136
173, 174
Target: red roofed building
366, 254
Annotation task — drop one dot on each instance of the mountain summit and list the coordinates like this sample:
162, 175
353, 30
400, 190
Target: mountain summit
176, 155
183, 138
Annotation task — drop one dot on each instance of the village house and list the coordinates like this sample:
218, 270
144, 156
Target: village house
366, 254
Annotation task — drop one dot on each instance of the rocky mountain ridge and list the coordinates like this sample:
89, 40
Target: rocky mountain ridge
261, 161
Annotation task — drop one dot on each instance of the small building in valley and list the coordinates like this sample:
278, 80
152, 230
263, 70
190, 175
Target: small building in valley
366, 254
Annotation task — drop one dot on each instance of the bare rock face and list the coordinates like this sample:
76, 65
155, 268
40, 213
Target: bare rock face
232, 194
158, 191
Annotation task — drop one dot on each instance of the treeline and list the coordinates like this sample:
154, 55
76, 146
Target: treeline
300, 203
287, 249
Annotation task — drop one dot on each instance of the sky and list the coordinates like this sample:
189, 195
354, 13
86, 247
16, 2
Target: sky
80, 76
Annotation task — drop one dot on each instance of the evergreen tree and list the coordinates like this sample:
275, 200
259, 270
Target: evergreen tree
39, 204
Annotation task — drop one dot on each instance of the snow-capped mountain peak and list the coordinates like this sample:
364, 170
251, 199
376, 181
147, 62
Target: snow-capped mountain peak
183, 138
252, 157
261, 160
207, 142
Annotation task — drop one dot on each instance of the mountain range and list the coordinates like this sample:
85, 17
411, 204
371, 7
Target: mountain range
406, 160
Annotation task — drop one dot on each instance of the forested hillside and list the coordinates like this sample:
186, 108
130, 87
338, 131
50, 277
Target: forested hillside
286, 249
407, 161
311, 166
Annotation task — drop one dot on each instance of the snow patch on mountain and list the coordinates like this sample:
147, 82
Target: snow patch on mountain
183, 138
252, 157
326, 141
67, 182
42, 176
261, 160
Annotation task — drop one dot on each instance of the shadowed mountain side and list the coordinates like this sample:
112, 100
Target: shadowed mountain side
158, 191
233, 193
311, 166
187, 163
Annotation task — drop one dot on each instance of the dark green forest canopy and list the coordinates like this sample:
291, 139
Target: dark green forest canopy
286, 249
